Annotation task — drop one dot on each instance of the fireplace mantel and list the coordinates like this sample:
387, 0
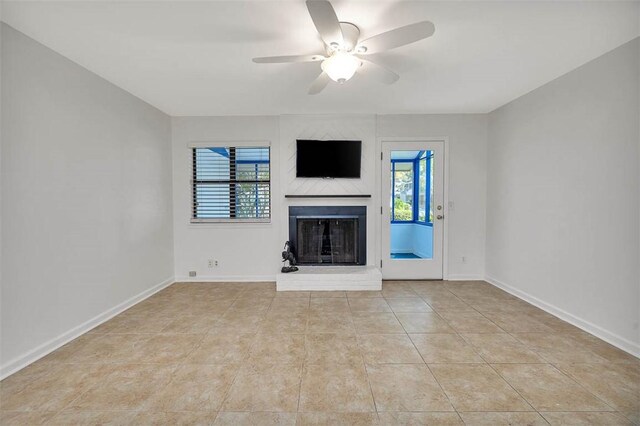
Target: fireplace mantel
328, 196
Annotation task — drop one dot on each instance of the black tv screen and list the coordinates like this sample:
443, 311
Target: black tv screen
328, 159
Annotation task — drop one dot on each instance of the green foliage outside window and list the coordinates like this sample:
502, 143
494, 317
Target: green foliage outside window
252, 197
402, 210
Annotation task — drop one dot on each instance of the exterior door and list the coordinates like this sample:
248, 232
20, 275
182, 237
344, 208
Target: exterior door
412, 210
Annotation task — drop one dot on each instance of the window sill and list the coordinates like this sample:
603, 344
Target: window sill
199, 222
411, 222
424, 223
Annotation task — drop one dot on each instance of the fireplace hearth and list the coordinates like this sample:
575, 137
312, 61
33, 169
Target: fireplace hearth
328, 235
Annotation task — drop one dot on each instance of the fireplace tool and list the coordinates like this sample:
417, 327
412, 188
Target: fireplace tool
287, 256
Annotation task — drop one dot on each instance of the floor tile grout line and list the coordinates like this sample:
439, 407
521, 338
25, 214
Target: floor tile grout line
514, 389
531, 348
366, 372
472, 348
490, 366
428, 367
568, 376
551, 365
481, 357
240, 366
228, 391
176, 367
302, 370
90, 388
364, 363
540, 353
433, 375
587, 390
179, 364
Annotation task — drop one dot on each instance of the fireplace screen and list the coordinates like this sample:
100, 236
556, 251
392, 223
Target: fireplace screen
327, 240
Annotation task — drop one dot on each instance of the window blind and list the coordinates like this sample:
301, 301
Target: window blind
231, 183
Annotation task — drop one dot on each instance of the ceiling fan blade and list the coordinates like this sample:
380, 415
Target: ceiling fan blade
377, 72
289, 58
398, 37
319, 84
326, 21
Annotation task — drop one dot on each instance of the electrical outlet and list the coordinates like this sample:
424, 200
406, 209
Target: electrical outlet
210, 263
215, 263
192, 273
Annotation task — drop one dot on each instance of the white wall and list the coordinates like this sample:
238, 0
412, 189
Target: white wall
1, 38
251, 251
638, 122
86, 188
563, 203
467, 136
245, 251
260, 243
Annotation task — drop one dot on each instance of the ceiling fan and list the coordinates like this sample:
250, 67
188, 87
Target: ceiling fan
344, 53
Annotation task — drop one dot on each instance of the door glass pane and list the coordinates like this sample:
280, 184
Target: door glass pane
403, 181
411, 201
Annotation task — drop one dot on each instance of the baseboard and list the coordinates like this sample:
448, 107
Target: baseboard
612, 338
463, 277
227, 279
46, 348
272, 278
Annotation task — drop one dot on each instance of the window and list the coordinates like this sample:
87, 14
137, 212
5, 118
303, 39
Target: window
422, 189
425, 188
403, 180
231, 183
412, 186
430, 184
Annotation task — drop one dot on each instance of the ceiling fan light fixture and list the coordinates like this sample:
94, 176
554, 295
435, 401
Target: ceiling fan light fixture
342, 47
340, 66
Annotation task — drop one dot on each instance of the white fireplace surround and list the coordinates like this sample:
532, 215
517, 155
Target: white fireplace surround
325, 127
331, 278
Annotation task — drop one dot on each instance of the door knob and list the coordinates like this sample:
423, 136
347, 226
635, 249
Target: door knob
440, 217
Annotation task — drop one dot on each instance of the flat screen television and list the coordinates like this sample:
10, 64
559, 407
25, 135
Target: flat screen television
328, 159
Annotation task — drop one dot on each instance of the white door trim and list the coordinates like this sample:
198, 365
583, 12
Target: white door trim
445, 228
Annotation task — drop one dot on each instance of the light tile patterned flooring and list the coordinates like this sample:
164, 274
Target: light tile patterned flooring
414, 353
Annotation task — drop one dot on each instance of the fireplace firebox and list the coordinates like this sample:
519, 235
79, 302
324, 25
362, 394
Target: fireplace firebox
328, 235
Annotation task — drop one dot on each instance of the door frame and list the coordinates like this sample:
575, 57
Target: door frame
445, 176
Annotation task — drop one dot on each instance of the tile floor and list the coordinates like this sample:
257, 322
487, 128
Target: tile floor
413, 353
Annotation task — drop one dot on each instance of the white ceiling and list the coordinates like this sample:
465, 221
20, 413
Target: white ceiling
194, 58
